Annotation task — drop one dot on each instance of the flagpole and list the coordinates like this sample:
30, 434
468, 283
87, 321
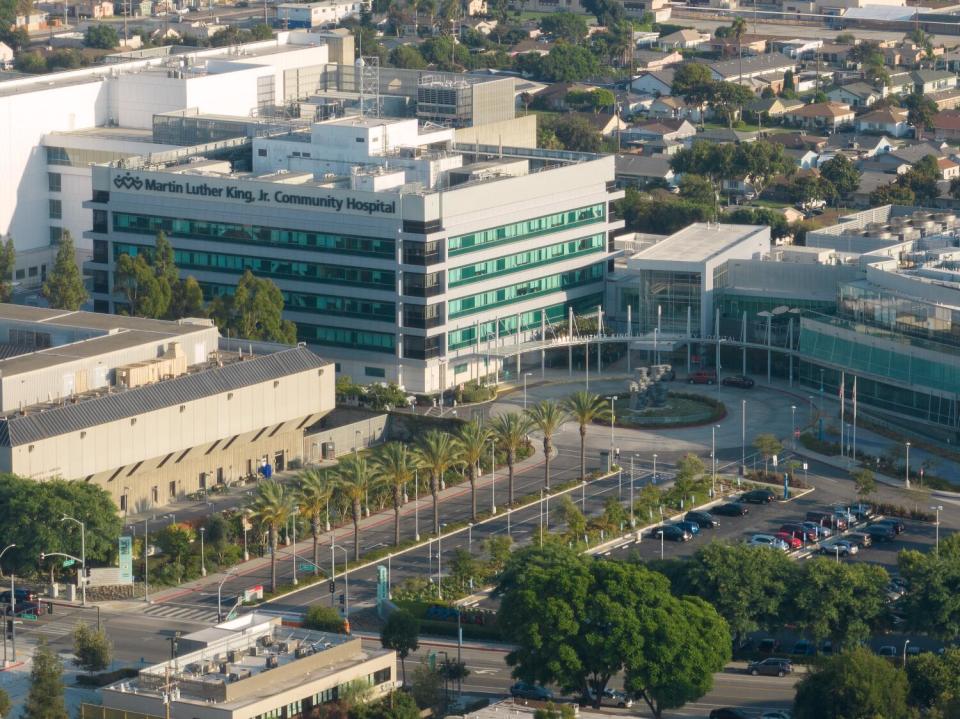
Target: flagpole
843, 446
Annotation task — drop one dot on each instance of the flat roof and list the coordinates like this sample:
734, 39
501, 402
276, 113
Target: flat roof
697, 242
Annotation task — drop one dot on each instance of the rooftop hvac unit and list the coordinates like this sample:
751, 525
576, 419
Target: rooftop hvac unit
303, 652
233, 656
266, 640
253, 650
223, 667
283, 647
273, 661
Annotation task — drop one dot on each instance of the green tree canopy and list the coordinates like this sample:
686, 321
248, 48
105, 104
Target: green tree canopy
698, 188
408, 57
45, 700
933, 603
401, 632
854, 685
840, 172
91, 648
101, 36
566, 63
64, 288
575, 133
693, 82
607, 12
934, 680
254, 311
564, 26
8, 259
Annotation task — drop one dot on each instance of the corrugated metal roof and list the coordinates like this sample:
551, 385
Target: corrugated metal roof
19, 430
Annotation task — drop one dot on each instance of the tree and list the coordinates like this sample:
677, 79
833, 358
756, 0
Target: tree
593, 100
607, 12
427, 688
511, 431
693, 82
922, 179
807, 189
698, 188
566, 26
571, 516
174, 540
933, 603
64, 288
788, 84
892, 194
394, 467
270, 506
585, 408
45, 700
353, 483
407, 56
314, 490
471, 445
91, 648
323, 619
713, 160
761, 161
728, 98
401, 633
547, 417
767, 445
854, 685
8, 259
435, 454
186, 300
576, 134
103, 37
567, 63
934, 680
840, 172
865, 482
146, 294
254, 312
5, 705
920, 111
657, 214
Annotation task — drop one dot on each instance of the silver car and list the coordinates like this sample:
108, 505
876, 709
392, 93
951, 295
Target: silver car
843, 547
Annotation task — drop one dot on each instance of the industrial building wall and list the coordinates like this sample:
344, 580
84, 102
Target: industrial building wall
515, 132
493, 101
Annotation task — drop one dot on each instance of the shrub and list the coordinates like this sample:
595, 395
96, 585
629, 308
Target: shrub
324, 619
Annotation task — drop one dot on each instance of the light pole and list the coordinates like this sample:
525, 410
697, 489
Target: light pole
245, 523
83, 555
219, 588
9, 546
493, 476
905, 653
126, 502
541, 516
743, 435
793, 426
439, 570
906, 479
654, 468
203, 561
937, 508
146, 553
13, 606
293, 516
633, 521
713, 456
346, 576
612, 440
525, 375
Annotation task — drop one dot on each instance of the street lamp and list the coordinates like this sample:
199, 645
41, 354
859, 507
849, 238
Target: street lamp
525, 375
219, 588
713, 455
633, 521
654, 468
293, 517
83, 555
905, 653
439, 555
493, 476
203, 561
346, 576
906, 479
743, 436
416, 505
612, 399
9, 546
938, 508
793, 426
146, 553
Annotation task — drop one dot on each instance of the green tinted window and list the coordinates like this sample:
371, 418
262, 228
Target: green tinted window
525, 260
527, 228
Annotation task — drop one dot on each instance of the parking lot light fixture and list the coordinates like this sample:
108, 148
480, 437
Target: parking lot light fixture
936, 508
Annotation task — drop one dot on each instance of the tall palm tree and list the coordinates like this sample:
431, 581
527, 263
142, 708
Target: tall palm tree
547, 417
585, 408
511, 431
394, 467
471, 443
436, 453
271, 507
353, 481
314, 489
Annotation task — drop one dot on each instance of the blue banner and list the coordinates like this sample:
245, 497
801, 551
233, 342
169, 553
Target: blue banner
126, 560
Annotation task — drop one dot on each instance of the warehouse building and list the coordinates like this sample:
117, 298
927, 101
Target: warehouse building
149, 410
401, 254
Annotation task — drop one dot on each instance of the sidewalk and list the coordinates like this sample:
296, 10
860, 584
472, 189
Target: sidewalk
304, 547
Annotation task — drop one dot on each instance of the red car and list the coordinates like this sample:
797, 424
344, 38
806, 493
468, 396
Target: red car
703, 376
792, 541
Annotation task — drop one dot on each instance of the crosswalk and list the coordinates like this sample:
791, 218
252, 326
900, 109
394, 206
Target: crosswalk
189, 612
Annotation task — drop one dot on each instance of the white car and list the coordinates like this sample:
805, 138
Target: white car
768, 540
843, 547
613, 698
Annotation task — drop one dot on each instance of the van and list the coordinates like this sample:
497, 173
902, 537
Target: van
827, 519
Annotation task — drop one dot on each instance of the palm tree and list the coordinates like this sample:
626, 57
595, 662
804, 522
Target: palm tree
471, 443
270, 507
394, 468
511, 430
585, 408
313, 498
547, 418
352, 484
436, 454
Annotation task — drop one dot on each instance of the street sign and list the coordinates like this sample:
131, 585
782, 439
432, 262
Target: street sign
69, 562
305, 566
29, 617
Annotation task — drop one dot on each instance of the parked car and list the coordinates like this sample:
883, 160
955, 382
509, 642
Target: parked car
768, 645
767, 540
805, 534
703, 376
777, 714
791, 540
22, 596
705, 520
691, 527
898, 526
758, 496
881, 532
731, 509
738, 380
845, 514
522, 690
671, 532
770, 667
824, 519
861, 539
804, 648
889, 651
728, 713
863, 512
842, 547
612, 698
821, 531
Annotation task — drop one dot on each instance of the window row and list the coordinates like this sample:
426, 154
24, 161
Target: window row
527, 228
320, 304
526, 260
385, 342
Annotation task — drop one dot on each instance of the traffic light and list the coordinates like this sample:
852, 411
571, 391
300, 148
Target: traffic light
343, 600
332, 586
9, 629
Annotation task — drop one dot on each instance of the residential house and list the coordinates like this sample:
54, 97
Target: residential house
870, 180
606, 123
886, 120
856, 94
656, 60
901, 83
805, 159
811, 80
824, 116
668, 106
683, 39
946, 99
32, 22
856, 146
946, 125
949, 60
731, 70
801, 49
774, 81
908, 54
749, 45
798, 141
633, 170
658, 82
659, 132
771, 107
726, 136
903, 158
6, 56
949, 169
792, 214
540, 47
927, 81
94, 9
645, 38
554, 97
834, 54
